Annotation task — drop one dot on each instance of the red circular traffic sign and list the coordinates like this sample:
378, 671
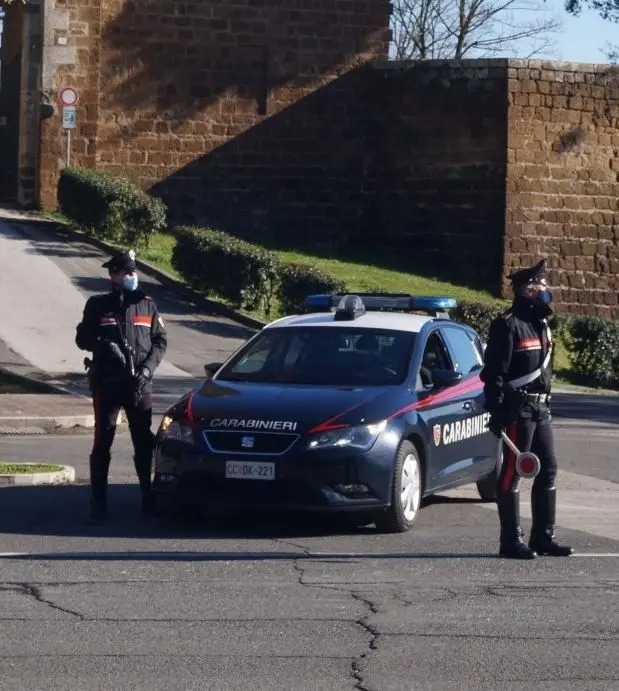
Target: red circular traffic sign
68, 96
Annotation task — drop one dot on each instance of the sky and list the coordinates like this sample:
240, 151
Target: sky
583, 36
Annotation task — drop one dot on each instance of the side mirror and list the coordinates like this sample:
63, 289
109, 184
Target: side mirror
211, 368
445, 377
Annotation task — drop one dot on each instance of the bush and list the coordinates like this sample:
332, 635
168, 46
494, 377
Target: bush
296, 281
110, 207
218, 264
476, 314
593, 348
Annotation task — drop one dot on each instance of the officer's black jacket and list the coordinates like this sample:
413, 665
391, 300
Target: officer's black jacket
518, 342
137, 318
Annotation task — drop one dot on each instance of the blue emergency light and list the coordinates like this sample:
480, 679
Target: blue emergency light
381, 302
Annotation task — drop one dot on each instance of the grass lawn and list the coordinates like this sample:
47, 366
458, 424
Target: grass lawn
14, 468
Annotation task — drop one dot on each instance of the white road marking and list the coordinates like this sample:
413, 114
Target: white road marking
584, 503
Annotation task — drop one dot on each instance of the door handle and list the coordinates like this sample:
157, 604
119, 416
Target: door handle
468, 405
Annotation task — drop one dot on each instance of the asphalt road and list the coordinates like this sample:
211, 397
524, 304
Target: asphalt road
291, 603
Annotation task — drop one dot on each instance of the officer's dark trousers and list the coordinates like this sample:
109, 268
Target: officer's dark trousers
531, 432
108, 401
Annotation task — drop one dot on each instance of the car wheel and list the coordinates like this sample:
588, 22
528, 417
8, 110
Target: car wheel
406, 492
487, 486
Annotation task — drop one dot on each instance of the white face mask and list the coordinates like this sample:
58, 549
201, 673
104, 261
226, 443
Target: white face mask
130, 282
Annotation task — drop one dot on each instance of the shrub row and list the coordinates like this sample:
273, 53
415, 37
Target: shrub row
245, 275
110, 207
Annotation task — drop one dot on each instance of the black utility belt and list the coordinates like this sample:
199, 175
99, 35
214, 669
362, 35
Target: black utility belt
537, 397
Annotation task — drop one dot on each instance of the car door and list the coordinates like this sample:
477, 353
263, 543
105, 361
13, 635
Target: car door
476, 447
440, 410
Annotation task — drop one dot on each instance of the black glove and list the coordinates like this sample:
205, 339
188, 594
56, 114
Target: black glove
141, 380
110, 350
497, 423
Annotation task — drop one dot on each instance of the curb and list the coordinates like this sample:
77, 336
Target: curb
59, 477
26, 425
163, 277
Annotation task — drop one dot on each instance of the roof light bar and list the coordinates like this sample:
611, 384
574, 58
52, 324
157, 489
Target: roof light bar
384, 302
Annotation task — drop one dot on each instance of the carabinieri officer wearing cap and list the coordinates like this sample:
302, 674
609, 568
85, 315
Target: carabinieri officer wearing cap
517, 376
127, 337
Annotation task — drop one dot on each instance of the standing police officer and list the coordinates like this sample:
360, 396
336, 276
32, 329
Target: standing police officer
127, 337
517, 376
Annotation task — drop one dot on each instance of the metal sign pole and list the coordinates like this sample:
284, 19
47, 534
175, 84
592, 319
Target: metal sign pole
68, 148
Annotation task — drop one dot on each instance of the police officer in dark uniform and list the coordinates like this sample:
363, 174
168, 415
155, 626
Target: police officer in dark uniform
517, 377
128, 340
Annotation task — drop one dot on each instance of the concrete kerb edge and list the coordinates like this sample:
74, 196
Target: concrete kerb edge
166, 279
59, 477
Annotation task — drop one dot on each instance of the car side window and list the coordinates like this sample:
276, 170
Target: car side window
435, 355
466, 354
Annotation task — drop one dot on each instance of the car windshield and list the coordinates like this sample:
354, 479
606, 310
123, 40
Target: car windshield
337, 356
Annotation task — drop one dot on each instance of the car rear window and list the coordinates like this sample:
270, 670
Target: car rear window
337, 356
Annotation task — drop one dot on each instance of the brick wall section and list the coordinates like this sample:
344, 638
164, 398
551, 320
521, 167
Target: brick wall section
76, 65
562, 181
181, 80
438, 166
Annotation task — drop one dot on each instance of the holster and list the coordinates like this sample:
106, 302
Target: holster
92, 371
513, 402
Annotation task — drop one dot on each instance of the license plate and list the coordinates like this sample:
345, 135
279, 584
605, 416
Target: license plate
250, 470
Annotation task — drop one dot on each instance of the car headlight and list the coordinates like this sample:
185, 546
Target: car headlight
360, 437
175, 429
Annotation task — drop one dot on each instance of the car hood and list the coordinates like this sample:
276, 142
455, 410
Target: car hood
286, 408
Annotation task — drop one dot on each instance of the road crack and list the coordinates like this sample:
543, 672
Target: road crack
35, 592
362, 622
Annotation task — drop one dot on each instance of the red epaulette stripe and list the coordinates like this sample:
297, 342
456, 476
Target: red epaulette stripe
142, 321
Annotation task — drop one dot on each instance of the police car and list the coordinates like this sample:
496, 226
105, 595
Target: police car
361, 405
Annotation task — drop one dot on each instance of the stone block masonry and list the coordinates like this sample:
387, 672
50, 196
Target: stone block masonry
562, 179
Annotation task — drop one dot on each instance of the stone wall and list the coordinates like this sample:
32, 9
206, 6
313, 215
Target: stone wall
71, 58
562, 179
437, 168
162, 82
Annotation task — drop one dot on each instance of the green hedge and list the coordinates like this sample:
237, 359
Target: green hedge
243, 274
216, 263
296, 281
110, 207
593, 347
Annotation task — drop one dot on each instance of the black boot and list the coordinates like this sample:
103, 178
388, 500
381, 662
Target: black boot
542, 540
512, 546
98, 483
143, 464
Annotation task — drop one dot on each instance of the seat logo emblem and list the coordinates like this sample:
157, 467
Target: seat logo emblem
437, 434
247, 442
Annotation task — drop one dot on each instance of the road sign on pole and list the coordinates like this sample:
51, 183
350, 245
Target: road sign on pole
69, 121
68, 117
68, 96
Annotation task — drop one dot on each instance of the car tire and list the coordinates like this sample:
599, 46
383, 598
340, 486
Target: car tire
487, 486
406, 492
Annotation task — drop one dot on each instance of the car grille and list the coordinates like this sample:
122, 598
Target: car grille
248, 443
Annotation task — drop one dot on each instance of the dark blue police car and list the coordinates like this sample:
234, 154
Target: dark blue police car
360, 405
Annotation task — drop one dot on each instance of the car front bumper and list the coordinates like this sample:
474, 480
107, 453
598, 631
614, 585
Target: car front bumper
310, 481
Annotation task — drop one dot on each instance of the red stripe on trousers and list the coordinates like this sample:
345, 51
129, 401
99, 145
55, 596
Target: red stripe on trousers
510, 463
96, 404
